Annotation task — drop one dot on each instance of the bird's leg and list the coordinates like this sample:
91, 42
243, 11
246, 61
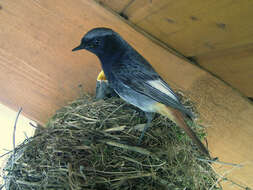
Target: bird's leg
149, 116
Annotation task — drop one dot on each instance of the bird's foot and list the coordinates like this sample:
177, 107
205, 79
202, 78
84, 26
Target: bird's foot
148, 124
143, 133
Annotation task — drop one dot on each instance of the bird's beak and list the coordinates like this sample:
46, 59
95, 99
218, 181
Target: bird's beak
78, 48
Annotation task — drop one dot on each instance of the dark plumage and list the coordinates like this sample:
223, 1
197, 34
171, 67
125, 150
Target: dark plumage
134, 79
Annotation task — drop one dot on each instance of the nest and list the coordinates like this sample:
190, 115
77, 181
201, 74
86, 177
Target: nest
94, 145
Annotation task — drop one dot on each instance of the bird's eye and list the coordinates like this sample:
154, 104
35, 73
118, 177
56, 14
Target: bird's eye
97, 42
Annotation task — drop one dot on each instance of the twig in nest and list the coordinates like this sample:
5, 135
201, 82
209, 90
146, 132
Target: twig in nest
132, 148
30, 123
6, 153
14, 137
111, 114
219, 162
223, 176
1, 187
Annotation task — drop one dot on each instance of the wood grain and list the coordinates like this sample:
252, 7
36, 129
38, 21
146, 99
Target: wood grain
116, 5
39, 72
234, 65
201, 26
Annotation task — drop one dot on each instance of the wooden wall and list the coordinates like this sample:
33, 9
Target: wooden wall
218, 34
39, 72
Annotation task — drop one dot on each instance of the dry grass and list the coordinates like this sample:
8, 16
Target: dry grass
93, 145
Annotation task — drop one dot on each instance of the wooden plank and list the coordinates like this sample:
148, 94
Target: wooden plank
134, 6
232, 65
201, 26
229, 122
141, 9
137, 9
116, 5
40, 73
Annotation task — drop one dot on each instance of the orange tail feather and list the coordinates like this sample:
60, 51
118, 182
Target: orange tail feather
180, 121
178, 118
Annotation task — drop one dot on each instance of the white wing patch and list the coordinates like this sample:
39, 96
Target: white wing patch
159, 85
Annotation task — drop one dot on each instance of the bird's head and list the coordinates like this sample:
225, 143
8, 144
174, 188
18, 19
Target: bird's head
100, 41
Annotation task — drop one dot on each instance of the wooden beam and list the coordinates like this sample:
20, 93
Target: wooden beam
116, 5
39, 72
233, 65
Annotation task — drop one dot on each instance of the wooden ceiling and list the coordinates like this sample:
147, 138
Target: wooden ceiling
217, 34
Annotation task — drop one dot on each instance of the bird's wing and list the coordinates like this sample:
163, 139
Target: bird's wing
136, 73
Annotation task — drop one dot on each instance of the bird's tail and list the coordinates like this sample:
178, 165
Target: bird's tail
178, 118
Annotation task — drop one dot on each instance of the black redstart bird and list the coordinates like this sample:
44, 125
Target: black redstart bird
134, 79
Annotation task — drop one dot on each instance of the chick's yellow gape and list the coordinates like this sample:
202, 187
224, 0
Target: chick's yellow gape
101, 76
